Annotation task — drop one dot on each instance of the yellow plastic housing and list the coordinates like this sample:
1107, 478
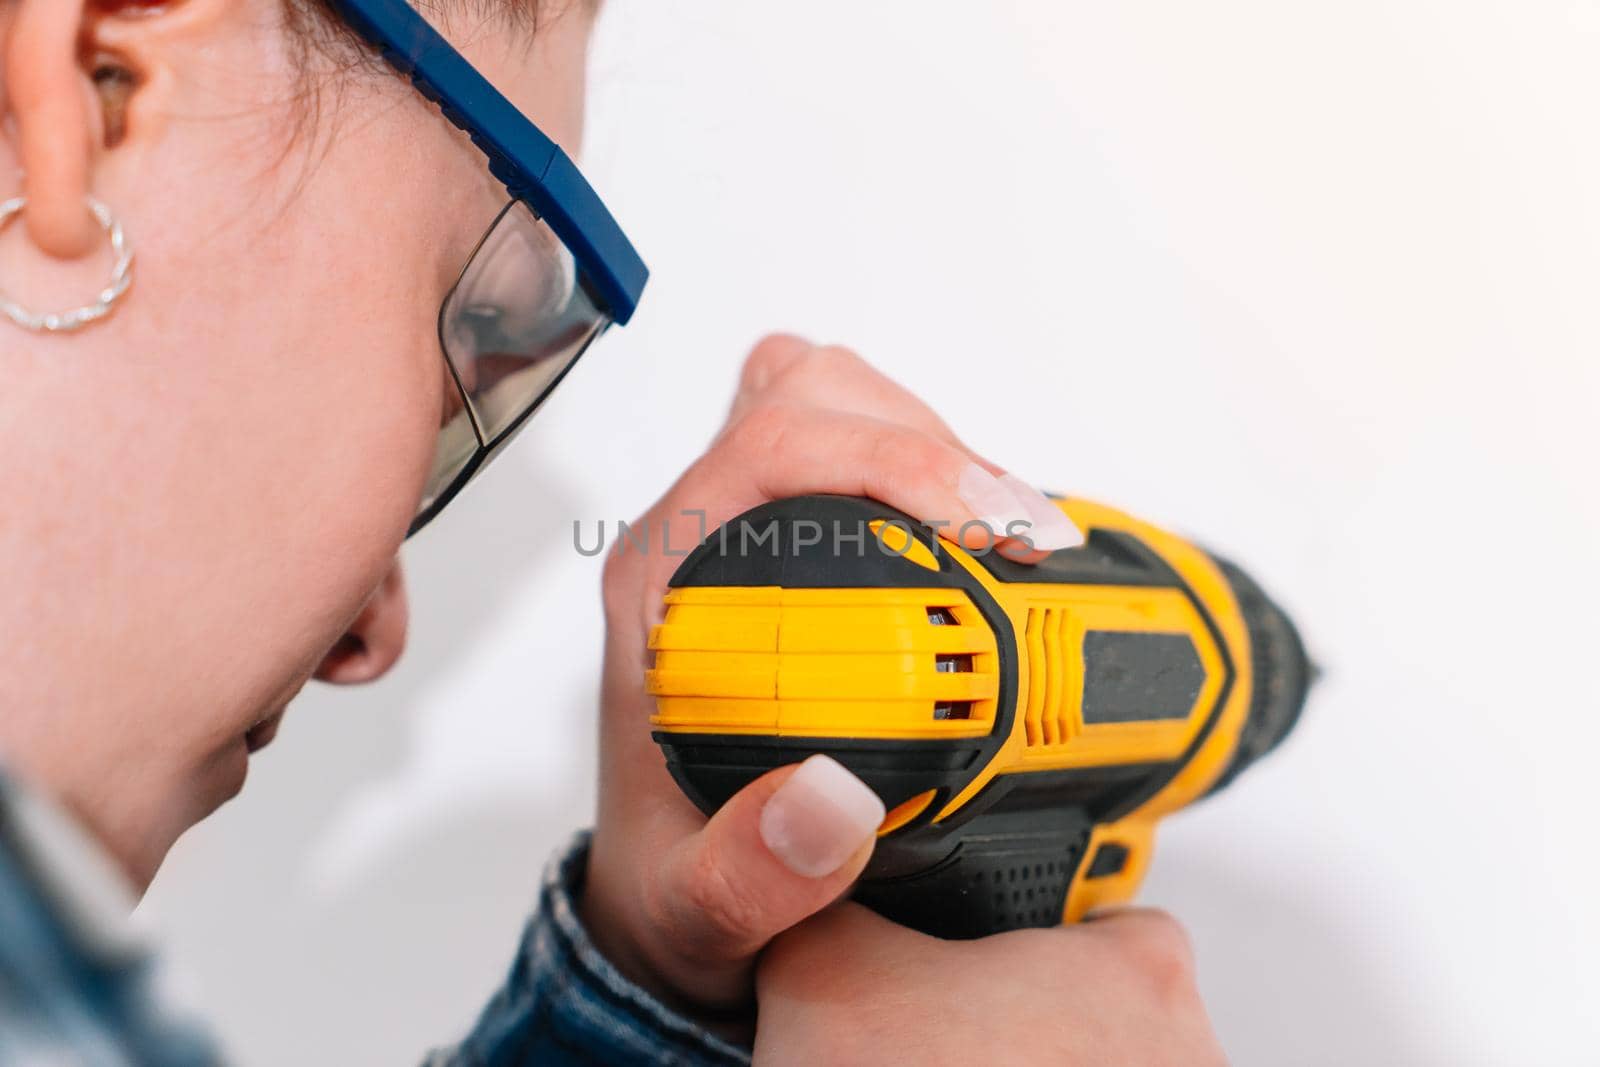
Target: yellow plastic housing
863, 663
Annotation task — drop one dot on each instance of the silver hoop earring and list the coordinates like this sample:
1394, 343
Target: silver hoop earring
77, 318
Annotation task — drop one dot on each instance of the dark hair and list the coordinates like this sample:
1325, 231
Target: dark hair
327, 51
319, 29
324, 45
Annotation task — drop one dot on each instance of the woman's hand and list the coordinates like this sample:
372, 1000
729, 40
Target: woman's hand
848, 987
680, 904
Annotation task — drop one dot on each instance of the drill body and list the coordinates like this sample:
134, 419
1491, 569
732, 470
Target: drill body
1025, 726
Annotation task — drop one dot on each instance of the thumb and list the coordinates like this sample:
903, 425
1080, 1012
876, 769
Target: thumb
783, 848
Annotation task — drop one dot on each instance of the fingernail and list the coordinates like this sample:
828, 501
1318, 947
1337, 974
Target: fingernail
820, 817
991, 502
1051, 529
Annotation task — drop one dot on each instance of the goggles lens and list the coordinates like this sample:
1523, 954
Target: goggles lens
515, 323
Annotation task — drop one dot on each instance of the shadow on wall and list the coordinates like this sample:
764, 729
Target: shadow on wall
404, 951
1286, 984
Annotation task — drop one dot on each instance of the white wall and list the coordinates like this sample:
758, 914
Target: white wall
1316, 282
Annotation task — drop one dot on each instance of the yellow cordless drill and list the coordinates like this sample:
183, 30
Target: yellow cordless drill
1025, 726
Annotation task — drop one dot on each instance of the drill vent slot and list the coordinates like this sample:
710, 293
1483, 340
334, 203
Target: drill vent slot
1046, 718
950, 709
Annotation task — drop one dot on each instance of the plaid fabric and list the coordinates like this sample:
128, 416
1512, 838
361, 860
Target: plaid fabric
76, 989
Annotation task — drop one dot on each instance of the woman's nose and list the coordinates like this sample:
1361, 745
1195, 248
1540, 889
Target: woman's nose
373, 642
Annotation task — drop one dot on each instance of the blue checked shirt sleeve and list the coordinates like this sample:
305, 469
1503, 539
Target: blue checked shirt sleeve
563, 1003
77, 988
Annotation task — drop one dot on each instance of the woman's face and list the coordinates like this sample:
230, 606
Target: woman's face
204, 494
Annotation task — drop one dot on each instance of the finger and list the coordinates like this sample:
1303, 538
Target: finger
835, 939
1147, 937
783, 848
53, 123
788, 369
849, 923
777, 450
784, 368
1043, 513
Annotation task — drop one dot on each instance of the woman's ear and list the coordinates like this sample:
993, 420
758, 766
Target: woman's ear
84, 79
375, 640
52, 105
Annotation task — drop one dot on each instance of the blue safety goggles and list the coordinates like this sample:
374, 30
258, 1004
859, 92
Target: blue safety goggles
553, 272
